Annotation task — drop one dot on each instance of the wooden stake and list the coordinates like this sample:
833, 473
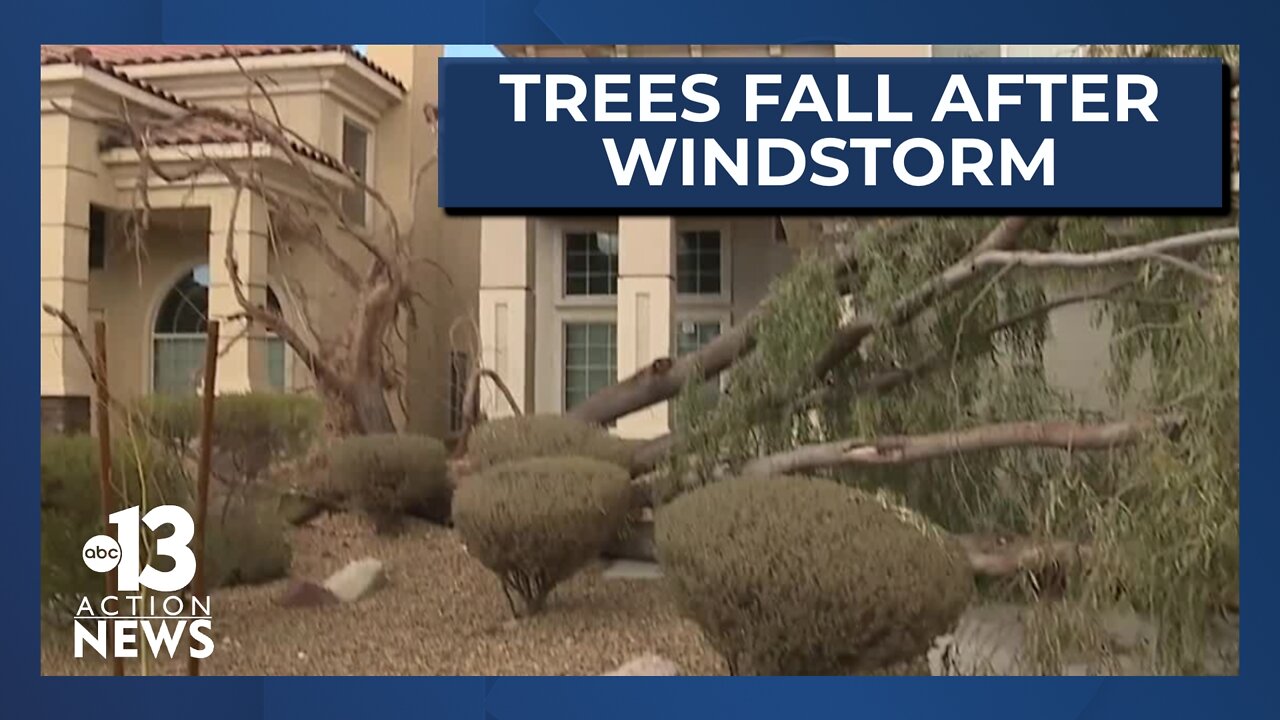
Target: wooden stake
105, 490
202, 472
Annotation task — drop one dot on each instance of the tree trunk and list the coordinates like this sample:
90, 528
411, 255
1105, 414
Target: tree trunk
369, 407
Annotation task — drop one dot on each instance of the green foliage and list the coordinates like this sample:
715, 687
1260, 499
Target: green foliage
534, 523
392, 475
534, 436
252, 431
246, 542
1162, 517
71, 505
802, 576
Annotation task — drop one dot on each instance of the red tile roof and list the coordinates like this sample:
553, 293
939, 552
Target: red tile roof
190, 130
124, 55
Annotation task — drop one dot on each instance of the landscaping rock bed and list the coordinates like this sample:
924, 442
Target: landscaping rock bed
440, 613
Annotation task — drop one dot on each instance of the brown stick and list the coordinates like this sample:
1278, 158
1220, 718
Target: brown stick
104, 467
904, 449
202, 471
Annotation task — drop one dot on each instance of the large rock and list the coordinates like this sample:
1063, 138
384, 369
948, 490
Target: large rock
647, 666
304, 593
359, 579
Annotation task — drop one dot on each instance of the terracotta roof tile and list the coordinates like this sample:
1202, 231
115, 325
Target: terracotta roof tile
192, 130
124, 55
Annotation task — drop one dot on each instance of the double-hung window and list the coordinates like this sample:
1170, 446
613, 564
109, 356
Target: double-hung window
590, 359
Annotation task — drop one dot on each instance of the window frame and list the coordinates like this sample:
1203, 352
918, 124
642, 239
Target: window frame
287, 362
579, 318
350, 118
725, 296
562, 296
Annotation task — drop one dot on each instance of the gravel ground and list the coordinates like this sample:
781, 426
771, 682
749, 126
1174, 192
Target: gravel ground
441, 614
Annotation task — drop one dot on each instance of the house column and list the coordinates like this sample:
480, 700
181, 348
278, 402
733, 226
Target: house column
646, 299
242, 223
507, 310
67, 183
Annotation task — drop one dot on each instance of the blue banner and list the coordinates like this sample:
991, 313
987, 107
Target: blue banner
832, 134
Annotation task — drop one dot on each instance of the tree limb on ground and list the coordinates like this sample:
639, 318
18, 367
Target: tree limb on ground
904, 449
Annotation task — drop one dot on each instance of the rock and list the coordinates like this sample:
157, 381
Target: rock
304, 593
359, 579
632, 570
647, 666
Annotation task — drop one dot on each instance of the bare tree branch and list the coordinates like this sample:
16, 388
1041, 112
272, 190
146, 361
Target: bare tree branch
903, 449
995, 556
1158, 250
849, 336
471, 404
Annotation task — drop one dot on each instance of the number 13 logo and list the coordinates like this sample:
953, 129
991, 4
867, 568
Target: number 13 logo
174, 546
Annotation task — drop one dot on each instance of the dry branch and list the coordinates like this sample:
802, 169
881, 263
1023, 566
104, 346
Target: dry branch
849, 336
995, 556
903, 449
1157, 250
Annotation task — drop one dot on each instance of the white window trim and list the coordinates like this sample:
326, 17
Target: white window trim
369, 158
725, 296
572, 316
562, 298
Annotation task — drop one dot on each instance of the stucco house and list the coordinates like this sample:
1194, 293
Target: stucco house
558, 306
361, 111
567, 305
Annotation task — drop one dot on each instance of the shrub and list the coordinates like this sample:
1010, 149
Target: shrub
252, 431
71, 505
801, 576
535, 523
242, 545
245, 542
391, 475
535, 436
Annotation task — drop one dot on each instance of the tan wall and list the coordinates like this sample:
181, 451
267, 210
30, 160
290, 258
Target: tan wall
446, 249
127, 293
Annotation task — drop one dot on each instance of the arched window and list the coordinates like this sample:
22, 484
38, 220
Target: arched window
179, 337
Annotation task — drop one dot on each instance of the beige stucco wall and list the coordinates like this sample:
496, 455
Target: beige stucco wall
312, 102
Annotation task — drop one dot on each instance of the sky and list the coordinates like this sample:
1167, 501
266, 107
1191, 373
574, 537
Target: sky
461, 50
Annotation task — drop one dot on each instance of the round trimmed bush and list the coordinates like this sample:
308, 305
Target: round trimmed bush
246, 542
390, 476
535, 523
802, 576
534, 436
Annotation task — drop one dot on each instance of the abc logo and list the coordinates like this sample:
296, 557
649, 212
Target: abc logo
101, 553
